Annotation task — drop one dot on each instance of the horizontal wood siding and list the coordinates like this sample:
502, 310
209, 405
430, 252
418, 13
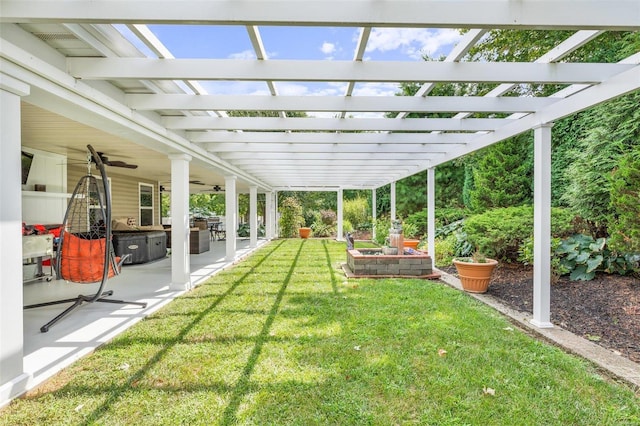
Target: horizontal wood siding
124, 193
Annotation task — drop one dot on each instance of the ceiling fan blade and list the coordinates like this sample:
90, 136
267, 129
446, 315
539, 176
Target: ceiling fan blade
121, 164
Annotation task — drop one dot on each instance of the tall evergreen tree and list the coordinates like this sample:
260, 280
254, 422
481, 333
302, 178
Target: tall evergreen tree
503, 175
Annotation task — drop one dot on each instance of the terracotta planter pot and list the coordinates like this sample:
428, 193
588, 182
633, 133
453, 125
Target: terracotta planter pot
475, 277
413, 244
305, 232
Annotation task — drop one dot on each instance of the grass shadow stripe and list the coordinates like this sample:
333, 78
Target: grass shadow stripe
230, 414
117, 391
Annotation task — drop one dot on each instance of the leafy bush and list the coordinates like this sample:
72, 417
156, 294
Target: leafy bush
328, 217
445, 250
416, 223
449, 215
356, 212
624, 223
244, 230
410, 230
347, 226
291, 218
582, 256
324, 223
322, 230
525, 255
500, 232
382, 230
444, 216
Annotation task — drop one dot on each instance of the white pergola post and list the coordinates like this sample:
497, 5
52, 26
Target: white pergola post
13, 379
180, 262
231, 216
374, 214
340, 235
276, 216
393, 200
253, 216
431, 213
268, 215
542, 227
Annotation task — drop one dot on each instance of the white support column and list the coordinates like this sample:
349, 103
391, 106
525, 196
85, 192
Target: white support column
276, 216
253, 216
180, 261
231, 216
237, 210
12, 377
268, 215
542, 227
431, 213
393, 200
374, 214
340, 236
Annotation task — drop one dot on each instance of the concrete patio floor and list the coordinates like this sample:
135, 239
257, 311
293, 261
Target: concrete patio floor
91, 325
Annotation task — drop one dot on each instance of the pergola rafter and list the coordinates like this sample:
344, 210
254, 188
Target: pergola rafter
100, 65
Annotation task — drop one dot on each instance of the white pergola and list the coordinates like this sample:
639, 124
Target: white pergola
71, 58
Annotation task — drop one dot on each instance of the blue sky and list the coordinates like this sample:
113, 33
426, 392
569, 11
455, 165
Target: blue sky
317, 43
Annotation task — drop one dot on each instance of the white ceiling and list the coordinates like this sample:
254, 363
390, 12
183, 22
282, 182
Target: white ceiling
79, 66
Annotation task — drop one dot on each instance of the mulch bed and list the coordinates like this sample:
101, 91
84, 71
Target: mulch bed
605, 310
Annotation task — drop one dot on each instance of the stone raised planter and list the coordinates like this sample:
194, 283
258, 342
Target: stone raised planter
372, 263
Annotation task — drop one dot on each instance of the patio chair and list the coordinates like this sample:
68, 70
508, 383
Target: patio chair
85, 250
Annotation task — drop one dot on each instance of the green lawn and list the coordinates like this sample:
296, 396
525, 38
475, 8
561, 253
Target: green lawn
284, 338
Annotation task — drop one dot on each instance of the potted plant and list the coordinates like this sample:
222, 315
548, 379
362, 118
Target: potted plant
304, 232
410, 230
475, 272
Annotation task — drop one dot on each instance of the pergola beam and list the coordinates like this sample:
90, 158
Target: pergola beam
334, 124
593, 14
339, 71
326, 148
337, 103
212, 140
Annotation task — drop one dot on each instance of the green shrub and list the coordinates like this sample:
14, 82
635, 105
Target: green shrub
499, 233
525, 255
347, 226
328, 217
291, 218
444, 216
382, 230
582, 256
624, 224
410, 230
416, 223
445, 250
324, 223
356, 211
449, 215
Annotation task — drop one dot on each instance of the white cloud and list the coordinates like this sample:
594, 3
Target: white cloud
375, 89
328, 48
245, 54
413, 42
292, 89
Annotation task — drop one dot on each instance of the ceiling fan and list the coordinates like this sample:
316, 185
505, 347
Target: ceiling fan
105, 160
215, 189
